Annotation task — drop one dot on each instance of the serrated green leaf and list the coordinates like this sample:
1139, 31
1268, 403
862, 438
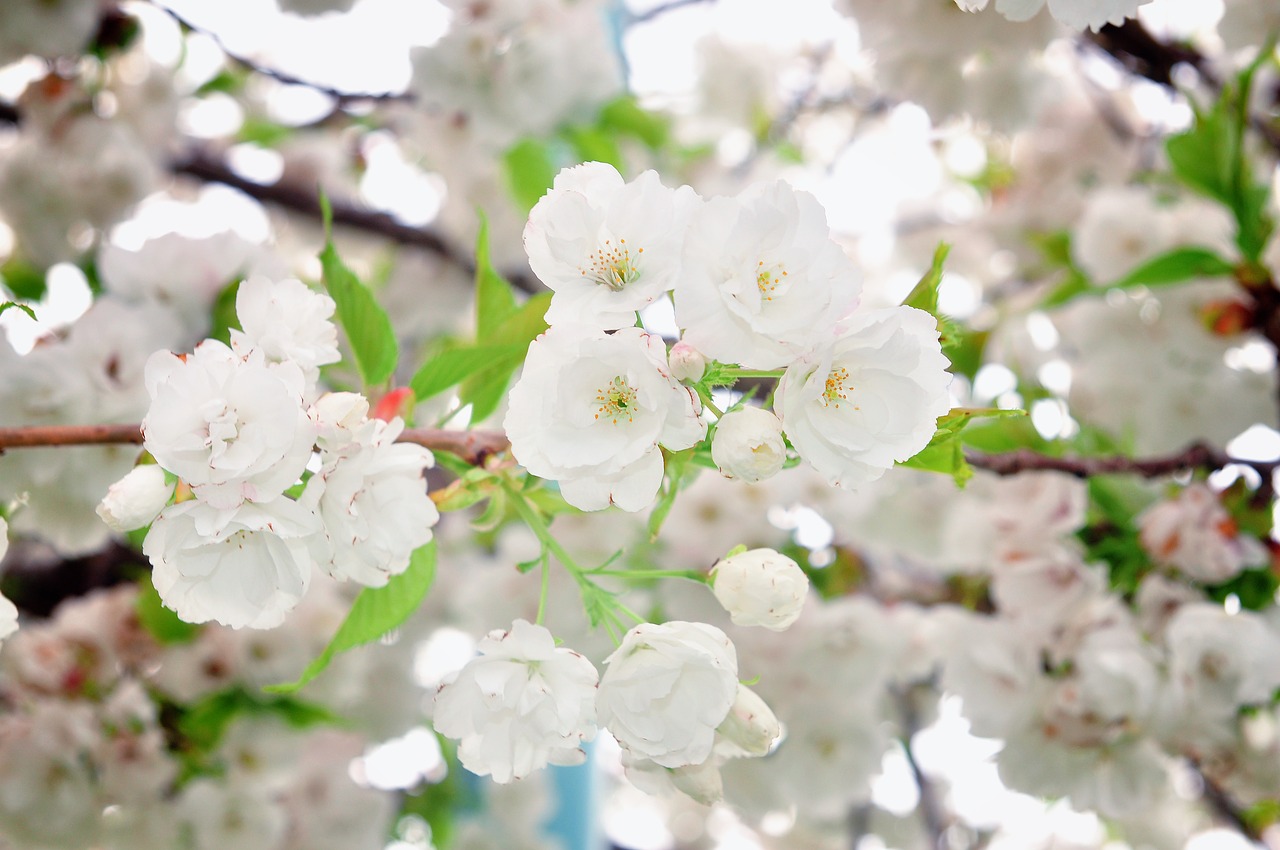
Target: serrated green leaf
530, 171
16, 306
455, 365
495, 298
944, 454
373, 342
160, 622
376, 611
1181, 264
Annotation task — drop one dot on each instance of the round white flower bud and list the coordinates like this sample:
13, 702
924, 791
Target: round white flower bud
135, 500
687, 362
666, 689
748, 445
750, 728
760, 587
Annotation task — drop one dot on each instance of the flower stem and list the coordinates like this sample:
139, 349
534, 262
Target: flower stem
736, 373
542, 594
640, 575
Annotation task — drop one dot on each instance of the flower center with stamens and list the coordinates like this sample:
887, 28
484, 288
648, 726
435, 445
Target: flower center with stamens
613, 265
836, 390
617, 400
769, 279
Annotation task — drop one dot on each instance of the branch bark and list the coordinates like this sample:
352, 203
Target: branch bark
472, 446
1194, 456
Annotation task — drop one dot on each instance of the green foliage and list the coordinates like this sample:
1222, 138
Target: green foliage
1211, 159
263, 132
22, 279
223, 316
1177, 266
924, 295
1110, 535
373, 342
530, 169
945, 452
504, 329
377, 610
441, 804
679, 471
16, 306
161, 623
1256, 589
203, 723
625, 117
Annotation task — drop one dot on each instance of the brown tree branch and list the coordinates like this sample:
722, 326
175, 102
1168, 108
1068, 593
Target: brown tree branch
1194, 456
474, 447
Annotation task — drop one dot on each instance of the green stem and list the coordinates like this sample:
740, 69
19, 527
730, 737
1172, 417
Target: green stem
708, 403
540, 529
639, 575
546, 583
736, 373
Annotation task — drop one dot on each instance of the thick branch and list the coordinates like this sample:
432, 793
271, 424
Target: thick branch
472, 446
1195, 456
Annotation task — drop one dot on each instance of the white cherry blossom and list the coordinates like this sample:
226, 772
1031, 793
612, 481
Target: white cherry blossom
869, 397
761, 276
760, 587
520, 705
667, 688
1195, 533
748, 444
232, 427
590, 411
247, 567
135, 500
374, 505
1076, 14
605, 247
288, 322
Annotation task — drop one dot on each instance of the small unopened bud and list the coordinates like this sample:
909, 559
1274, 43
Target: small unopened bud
750, 728
760, 587
135, 500
687, 363
748, 445
702, 782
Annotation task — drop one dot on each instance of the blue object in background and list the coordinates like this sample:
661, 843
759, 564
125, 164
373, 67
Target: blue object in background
575, 821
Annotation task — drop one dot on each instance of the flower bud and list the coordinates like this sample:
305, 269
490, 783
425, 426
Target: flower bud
702, 782
760, 587
750, 728
135, 500
687, 363
748, 445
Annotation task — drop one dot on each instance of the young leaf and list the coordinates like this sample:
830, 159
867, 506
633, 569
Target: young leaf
15, 305
377, 610
373, 342
924, 296
530, 171
495, 300
457, 364
1187, 263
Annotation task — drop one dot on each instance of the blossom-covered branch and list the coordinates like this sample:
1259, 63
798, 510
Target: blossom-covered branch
1194, 456
471, 446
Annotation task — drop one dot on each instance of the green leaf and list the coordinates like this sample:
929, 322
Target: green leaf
945, 452
594, 144
224, 318
373, 342
161, 623
678, 469
495, 299
454, 365
22, 279
529, 170
485, 389
205, 721
1176, 266
377, 610
1074, 284
627, 118
924, 295
15, 305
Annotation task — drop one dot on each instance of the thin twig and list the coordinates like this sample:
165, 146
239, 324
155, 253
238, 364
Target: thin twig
1195, 456
932, 813
472, 446
342, 97
659, 11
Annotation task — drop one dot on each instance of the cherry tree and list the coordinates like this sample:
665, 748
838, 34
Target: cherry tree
833, 424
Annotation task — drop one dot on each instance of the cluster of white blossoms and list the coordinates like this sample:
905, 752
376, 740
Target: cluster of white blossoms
758, 283
669, 694
238, 425
1076, 14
